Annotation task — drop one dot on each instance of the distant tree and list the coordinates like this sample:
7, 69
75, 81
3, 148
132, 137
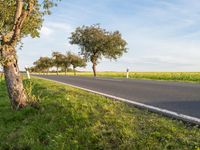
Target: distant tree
44, 64
76, 61
96, 43
36, 68
57, 58
18, 19
65, 62
31, 69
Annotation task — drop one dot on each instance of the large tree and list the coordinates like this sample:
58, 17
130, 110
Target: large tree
96, 43
76, 61
18, 19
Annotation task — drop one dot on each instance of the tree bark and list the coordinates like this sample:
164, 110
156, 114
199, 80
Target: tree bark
94, 69
14, 85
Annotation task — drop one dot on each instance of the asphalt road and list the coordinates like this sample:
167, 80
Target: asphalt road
179, 97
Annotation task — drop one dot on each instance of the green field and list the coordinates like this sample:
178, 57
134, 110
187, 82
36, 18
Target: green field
173, 76
69, 118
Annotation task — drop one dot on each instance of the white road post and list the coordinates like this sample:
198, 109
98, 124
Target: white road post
127, 73
27, 72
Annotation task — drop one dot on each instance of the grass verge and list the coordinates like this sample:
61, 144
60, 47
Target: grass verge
70, 118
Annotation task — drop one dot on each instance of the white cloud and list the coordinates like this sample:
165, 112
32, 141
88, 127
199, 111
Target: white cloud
60, 26
50, 28
46, 31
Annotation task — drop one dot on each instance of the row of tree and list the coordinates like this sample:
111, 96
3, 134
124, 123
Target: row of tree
59, 61
94, 42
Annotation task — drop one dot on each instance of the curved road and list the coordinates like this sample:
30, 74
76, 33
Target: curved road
178, 97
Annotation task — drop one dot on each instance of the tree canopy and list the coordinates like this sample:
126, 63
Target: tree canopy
57, 58
43, 63
75, 61
65, 62
32, 22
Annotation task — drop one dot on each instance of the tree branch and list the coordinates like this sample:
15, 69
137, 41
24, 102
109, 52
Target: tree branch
20, 16
19, 8
18, 12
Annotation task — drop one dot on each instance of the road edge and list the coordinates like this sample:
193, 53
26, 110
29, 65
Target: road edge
165, 112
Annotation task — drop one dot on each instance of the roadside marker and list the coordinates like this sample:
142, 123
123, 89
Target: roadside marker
127, 73
27, 73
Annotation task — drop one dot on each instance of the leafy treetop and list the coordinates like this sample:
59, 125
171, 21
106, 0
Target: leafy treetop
75, 60
21, 18
43, 63
96, 42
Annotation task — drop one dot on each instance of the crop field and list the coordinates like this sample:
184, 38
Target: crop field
173, 76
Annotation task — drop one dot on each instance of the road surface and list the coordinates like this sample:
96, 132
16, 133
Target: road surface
183, 98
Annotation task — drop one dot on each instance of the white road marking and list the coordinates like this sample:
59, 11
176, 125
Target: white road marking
140, 105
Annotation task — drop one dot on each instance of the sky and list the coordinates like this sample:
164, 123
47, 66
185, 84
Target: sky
162, 35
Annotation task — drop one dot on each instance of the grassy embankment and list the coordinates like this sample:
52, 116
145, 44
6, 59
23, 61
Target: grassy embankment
173, 76
69, 118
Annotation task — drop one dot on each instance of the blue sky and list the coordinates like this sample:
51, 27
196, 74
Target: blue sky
162, 35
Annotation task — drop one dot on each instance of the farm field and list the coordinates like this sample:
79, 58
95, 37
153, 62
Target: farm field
69, 118
173, 76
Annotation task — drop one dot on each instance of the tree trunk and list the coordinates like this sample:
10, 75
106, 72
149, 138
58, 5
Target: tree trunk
15, 86
65, 71
74, 71
13, 78
94, 64
94, 69
57, 71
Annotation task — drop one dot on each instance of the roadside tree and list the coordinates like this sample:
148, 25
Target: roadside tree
96, 43
57, 58
44, 64
76, 61
65, 63
18, 19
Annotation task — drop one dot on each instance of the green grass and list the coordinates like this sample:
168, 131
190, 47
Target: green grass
70, 118
173, 76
